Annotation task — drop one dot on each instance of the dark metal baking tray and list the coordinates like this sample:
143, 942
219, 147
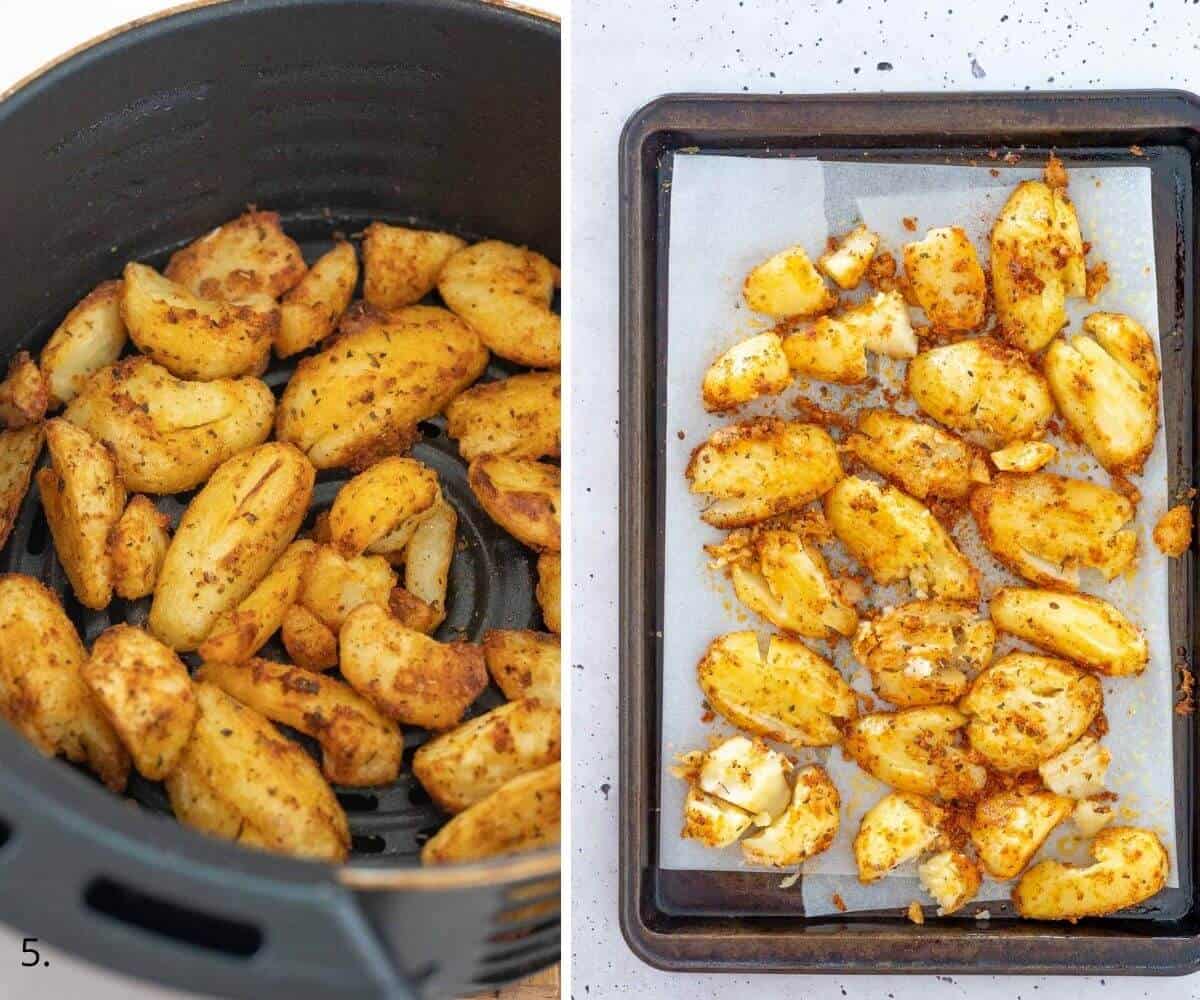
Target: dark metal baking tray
743, 921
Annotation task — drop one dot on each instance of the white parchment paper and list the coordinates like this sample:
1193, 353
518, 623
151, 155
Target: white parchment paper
727, 214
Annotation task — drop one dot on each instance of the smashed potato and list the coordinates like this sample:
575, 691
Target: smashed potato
1173, 531
834, 348
524, 664
247, 256
549, 590
137, 546
898, 828
951, 878
310, 311
1024, 456
402, 265
517, 416
19, 451
751, 368
1044, 527
521, 496
945, 276
806, 828
24, 394
712, 821
748, 774
1009, 828
758, 468
309, 642
90, 338
1078, 772
376, 501
787, 284
848, 261
334, 585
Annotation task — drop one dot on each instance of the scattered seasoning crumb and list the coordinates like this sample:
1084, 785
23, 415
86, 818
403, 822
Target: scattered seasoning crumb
681, 435
915, 913
1056, 173
1097, 279
1186, 704
708, 716
1173, 532
993, 171
1137, 150
839, 902
1012, 158
910, 223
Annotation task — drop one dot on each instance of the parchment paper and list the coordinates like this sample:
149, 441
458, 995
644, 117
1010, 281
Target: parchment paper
729, 213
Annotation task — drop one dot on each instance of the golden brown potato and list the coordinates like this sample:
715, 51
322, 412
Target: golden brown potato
712, 821
1173, 531
19, 451
1131, 866
24, 393
168, 435
427, 560
310, 311
228, 538
1024, 456
916, 750
412, 612
247, 256
137, 546
1037, 262
1044, 527
1078, 772
334, 585
408, 676
467, 764
358, 745
751, 368
84, 498
847, 264
759, 468
90, 338
1090, 816
194, 337
548, 592
377, 500
1025, 709
834, 348
898, 828
806, 828
145, 691
923, 460
408, 363
267, 780
238, 634
787, 284
524, 664
945, 276
520, 815
922, 653
1106, 388
794, 696
522, 497
748, 774
196, 804
402, 265
504, 292
1079, 627
982, 388
42, 691
897, 538
1009, 828
516, 416
307, 639
951, 878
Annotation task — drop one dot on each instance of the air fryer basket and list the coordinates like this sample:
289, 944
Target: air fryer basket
334, 112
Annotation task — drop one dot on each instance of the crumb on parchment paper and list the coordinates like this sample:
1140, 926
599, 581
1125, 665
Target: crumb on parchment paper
915, 913
839, 902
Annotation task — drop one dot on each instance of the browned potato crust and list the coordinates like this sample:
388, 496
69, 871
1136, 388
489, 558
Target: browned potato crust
90, 338
549, 590
24, 393
402, 265
19, 452
334, 585
1173, 531
311, 310
522, 497
137, 546
247, 256
524, 664
517, 416
945, 276
412, 612
307, 639
376, 501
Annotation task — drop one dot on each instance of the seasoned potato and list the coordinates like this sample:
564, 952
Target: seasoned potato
412, 612
240, 633
1037, 262
787, 284
169, 435
19, 452
945, 276
712, 821
238, 525
897, 538
24, 393
806, 828
247, 256
428, 557
1090, 816
408, 676
1025, 709
748, 774
42, 691
915, 750
238, 757
307, 639
898, 828
90, 338
1024, 456
1106, 387
1008, 829
981, 388
794, 696
847, 264
520, 815
951, 878
334, 585
145, 691
751, 368
137, 546
358, 745
1078, 772
923, 460
516, 416
921, 653
548, 592
467, 764
1131, 866
524, 664
84, 498
834, 348
1173, 531
408, 363
521, 496
378, 500
402, 265
758, 468
1079, 627
1045, 527
310, 311
194, 337
504, 292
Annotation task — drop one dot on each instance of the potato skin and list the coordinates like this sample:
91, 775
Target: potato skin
90, 338
19, 451
409, 363
377, 500
137, 546
518, 416
549, 590
522, 497
524, 664
24, 393
145, 691
427, 559
402, 265
227, 540
247, 256
42, 691
310, 311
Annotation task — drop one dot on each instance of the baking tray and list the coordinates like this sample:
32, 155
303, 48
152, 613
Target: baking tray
742, 921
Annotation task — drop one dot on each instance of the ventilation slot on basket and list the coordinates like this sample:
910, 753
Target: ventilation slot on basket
180, 923
5, 833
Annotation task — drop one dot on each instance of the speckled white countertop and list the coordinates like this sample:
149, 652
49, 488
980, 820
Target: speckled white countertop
626, 52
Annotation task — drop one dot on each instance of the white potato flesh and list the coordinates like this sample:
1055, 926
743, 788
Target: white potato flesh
898, 828
428, 556
787, 284
712, 821
848, 262
1078, 772
946, 278
748, 774
1024, 456
751, 368
806, 828
1009, 828
951, 878
90, 338
834, 348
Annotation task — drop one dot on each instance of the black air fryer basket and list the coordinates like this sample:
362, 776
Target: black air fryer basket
440, 113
